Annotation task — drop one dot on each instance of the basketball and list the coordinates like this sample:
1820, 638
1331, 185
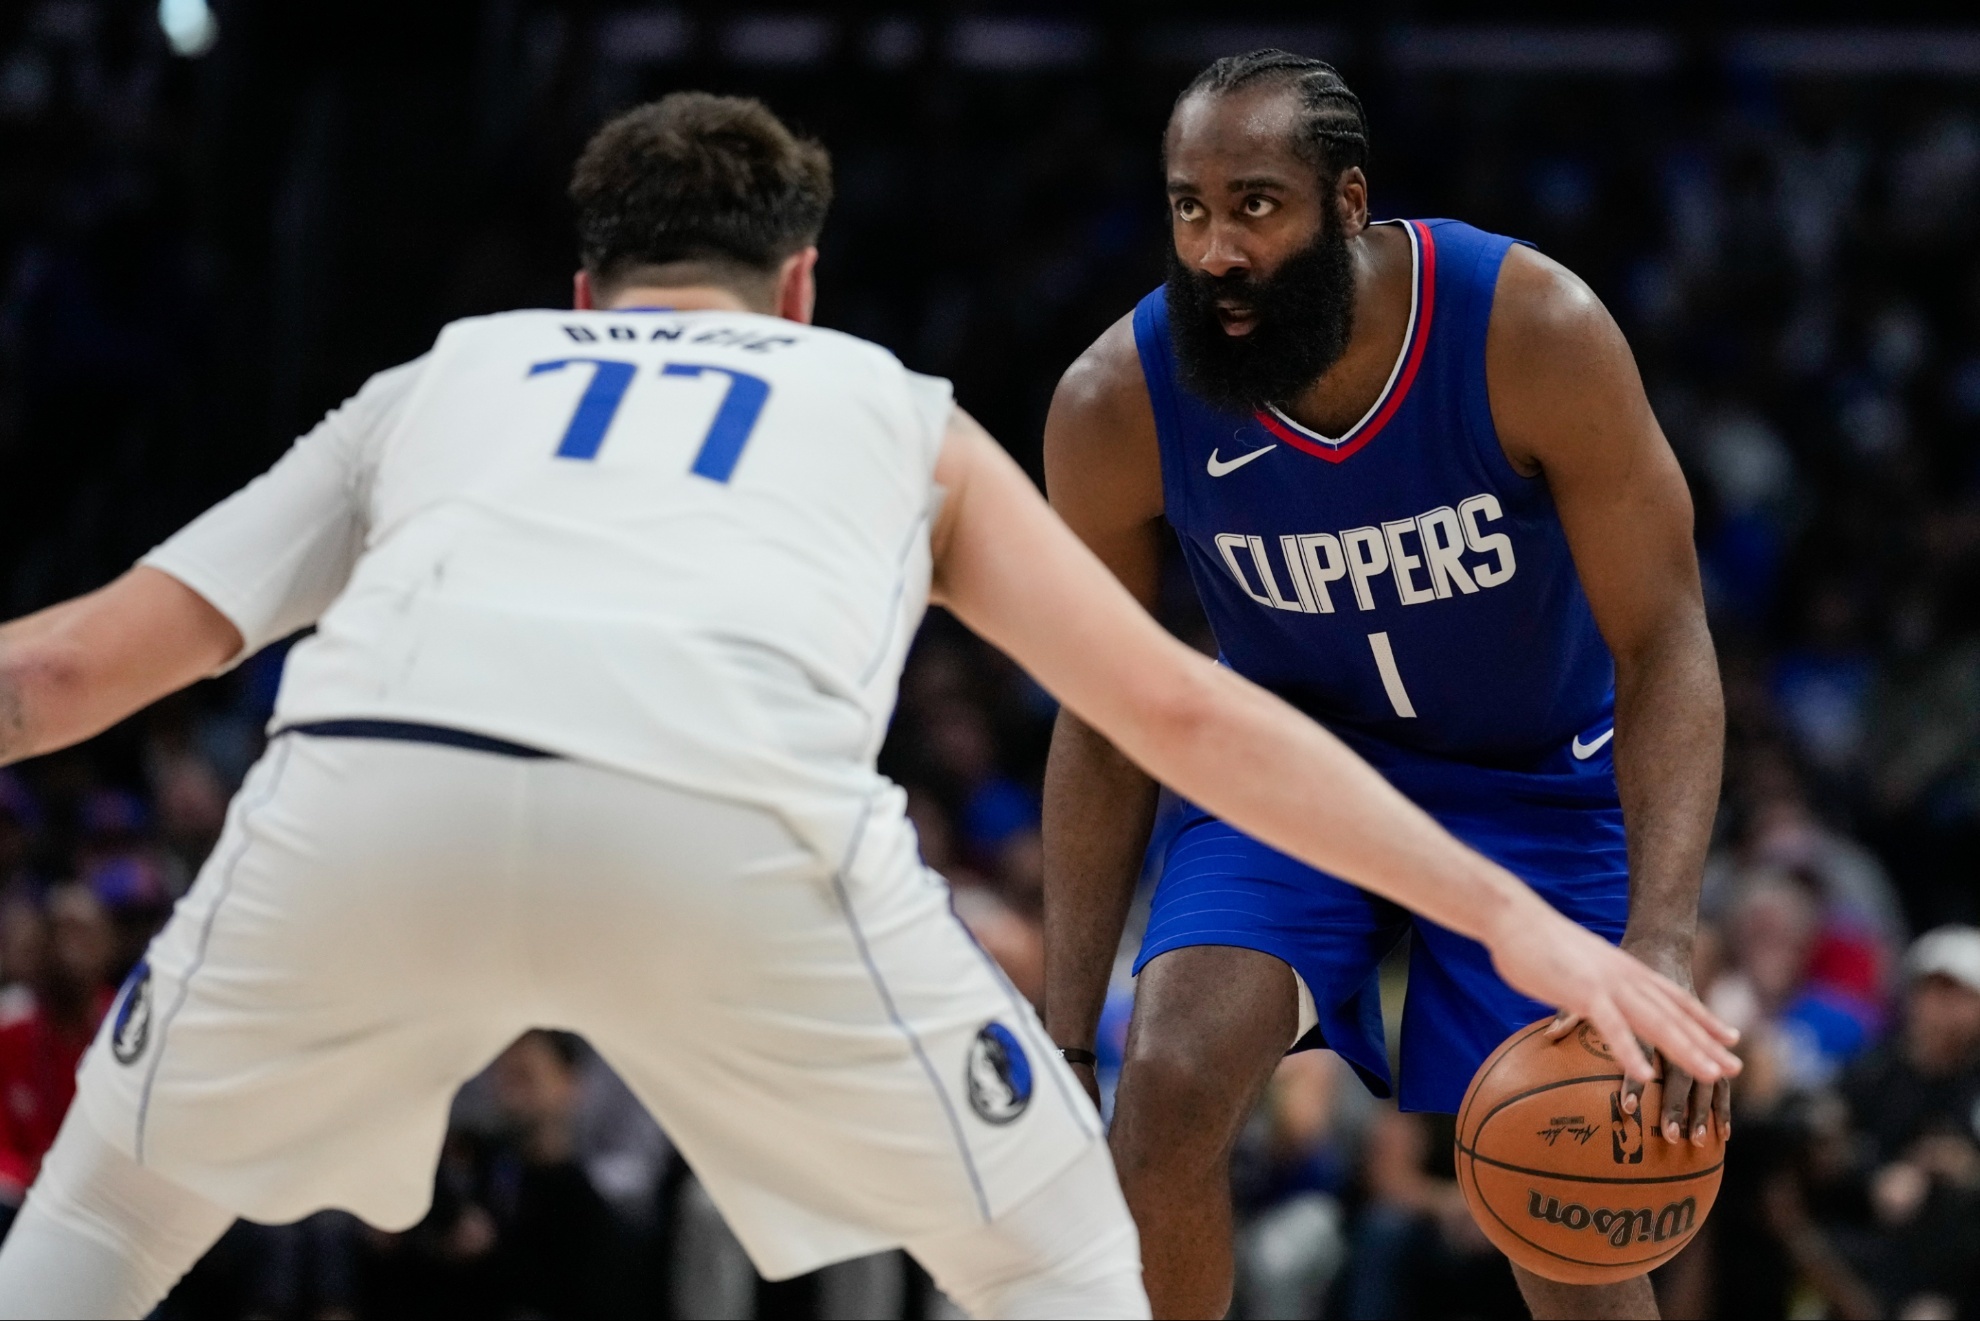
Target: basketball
1560, 1179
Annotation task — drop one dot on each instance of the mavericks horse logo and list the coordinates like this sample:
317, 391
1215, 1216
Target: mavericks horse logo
130, 1031
999, 1076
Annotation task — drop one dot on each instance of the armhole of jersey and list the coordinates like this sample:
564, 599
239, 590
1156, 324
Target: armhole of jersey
933, 399
1151, 345
1477, 407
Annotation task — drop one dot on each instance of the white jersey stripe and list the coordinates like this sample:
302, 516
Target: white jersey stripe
1385, 663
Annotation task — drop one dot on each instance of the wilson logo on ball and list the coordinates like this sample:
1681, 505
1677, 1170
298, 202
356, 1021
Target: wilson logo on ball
1619, 1227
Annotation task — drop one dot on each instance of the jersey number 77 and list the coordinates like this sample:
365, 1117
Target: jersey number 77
720, 449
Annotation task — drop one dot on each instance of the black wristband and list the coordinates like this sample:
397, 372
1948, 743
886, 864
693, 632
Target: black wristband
1074, 1055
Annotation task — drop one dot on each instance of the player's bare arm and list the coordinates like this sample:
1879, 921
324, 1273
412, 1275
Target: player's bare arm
1104, 477
1570, 407
75, 669
1020, 578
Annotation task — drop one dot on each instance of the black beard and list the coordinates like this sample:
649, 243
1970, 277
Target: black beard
1304, 313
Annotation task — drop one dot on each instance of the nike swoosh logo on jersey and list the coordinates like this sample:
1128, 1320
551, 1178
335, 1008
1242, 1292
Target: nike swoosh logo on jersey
1583, 751
1218, 469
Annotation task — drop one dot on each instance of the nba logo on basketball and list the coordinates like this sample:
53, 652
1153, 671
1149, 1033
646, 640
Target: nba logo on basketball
1625, 1132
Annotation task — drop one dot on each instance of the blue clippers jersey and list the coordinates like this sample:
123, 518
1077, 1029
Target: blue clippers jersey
1401, 583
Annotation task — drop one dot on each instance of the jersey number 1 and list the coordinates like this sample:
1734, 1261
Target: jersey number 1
720, 449
1392, 684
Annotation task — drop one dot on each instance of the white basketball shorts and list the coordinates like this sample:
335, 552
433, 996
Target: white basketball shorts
840, 1063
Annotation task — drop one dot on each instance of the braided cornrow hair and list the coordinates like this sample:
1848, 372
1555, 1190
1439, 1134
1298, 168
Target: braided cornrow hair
1334, 134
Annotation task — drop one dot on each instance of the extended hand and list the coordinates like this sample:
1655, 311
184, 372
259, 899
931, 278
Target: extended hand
1690, 1107
1551, 959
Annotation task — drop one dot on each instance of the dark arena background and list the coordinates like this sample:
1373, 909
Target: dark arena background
216, 222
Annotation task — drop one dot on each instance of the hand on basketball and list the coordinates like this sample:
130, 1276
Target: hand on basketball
1586, 978
1689, 1107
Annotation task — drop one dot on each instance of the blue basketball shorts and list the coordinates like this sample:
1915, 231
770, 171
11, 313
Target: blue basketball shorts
1559, 830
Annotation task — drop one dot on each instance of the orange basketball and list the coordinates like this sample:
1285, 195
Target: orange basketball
1560, 1179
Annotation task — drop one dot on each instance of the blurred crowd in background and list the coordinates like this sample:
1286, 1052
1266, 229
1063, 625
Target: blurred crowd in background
202, 249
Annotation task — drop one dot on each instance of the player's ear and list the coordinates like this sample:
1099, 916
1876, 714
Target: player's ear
583, 298
1351, 200
797, 285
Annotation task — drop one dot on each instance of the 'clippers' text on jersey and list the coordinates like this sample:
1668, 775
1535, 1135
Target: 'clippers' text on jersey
1419, 559
1401, 582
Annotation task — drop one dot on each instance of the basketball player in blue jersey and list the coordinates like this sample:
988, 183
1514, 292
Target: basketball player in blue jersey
1422, 496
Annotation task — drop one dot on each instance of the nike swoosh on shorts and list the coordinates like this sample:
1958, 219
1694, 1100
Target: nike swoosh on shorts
1218, 469
1583, 751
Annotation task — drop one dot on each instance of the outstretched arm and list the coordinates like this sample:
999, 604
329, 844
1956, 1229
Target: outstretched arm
1015, 574
259, 565
77, 668
1570, 407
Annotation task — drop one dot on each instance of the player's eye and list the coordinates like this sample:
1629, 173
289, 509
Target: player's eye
1258, 205
1188, 209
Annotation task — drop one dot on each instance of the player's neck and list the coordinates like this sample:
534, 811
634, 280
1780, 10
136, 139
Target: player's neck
1382, 285
691, 298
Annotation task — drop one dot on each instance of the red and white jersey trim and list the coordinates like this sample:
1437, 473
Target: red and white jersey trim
1423, 294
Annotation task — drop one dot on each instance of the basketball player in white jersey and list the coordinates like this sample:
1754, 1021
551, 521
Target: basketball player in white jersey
610, 606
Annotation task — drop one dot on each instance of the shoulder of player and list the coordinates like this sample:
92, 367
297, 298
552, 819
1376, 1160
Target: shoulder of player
1553, 355
389, 387
1104, 385
360, 420
1101, 426
1545, 318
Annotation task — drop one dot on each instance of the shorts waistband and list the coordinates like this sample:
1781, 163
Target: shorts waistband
408, 731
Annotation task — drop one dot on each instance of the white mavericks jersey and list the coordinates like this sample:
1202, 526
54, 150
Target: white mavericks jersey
690, 546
